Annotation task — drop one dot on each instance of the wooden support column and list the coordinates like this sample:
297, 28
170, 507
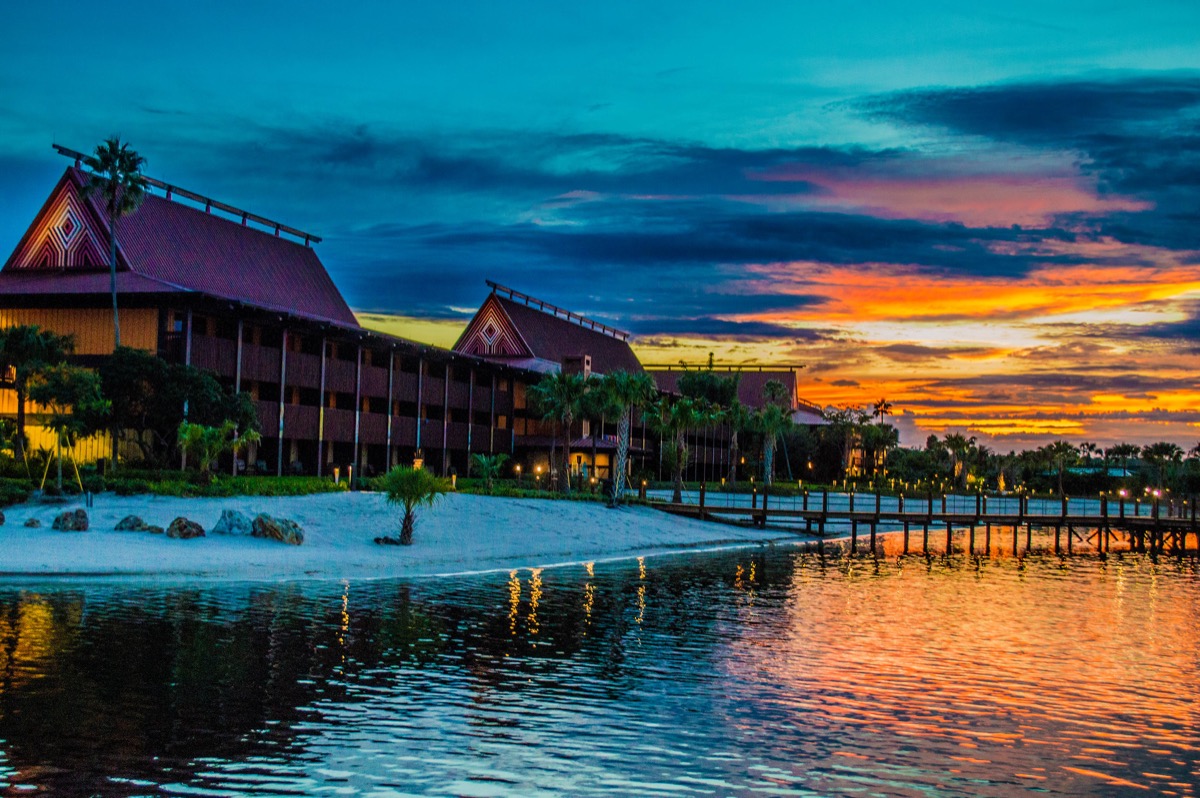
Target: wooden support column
470, 410
420, 403
492, 422
357, 407
237, 369
321, 410
187, 361
187, 343
282, 384
391, 377
446, 421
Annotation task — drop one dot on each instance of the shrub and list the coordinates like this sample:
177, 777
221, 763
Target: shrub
13, 491
124, 486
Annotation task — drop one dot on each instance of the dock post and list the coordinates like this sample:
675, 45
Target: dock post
806, 500
824, 511
978, 504
872, 537
906, 536
1057, 538
925, 537
853, 535
971, 541
949, 535
703, 488
754, 498
1016, 530
987, 538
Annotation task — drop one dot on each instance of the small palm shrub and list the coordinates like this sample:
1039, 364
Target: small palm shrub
410, 488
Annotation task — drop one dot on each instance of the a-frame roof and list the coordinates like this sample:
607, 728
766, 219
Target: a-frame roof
505, 328
171, 246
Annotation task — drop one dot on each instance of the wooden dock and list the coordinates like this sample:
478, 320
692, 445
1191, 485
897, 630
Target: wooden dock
1165, 529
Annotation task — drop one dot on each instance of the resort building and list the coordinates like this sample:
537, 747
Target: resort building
204, 283
207, 284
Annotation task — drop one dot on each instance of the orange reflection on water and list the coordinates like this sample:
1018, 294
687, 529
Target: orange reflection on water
966, 659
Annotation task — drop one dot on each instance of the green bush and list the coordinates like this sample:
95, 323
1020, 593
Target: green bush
94, 483
125, 486
246, 486
13, 491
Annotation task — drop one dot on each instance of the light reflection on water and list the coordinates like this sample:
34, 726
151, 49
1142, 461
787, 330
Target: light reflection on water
772, 671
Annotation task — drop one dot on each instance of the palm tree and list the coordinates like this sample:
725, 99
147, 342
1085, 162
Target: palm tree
1089, 451
737, 416
771, 421
117, 178
25, 351
207, 444
411, 488
631, 392
1062, 455
560, 397
488, 466
1122, 453
959, 446
672, 420
881, 409
776, 393
1160, 455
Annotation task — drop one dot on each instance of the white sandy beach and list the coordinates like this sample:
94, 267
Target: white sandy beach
462, 533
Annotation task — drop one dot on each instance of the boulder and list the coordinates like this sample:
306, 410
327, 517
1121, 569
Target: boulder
156, 530
76, 521
131, 523
281, 529
183, 529
32, 523
233, 522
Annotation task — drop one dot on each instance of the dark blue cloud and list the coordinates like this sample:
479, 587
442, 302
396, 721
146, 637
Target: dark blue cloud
1137, 134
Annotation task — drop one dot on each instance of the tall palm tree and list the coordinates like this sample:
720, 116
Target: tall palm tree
737, 416
881, 409
771, 421
25, 351
1122, 453
560, 397
1063, 455
631, 392
1089, 451
672, 420
117, 178
959, 447
1160, 455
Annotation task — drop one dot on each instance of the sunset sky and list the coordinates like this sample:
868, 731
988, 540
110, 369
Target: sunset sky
987, 213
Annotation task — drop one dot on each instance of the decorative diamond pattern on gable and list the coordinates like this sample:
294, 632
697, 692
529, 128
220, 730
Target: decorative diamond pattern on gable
64, 237
491, 332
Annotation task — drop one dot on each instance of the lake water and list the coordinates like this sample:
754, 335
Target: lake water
766, 671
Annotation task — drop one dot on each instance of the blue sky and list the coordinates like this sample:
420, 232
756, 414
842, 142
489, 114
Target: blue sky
766, 180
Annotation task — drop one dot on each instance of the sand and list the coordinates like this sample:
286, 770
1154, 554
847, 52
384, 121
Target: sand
461, 534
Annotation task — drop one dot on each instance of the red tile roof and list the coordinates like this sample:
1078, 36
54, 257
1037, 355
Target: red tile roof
172, 244
553, 338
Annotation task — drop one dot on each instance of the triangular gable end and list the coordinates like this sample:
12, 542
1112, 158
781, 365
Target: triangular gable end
66, 234
492, 334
